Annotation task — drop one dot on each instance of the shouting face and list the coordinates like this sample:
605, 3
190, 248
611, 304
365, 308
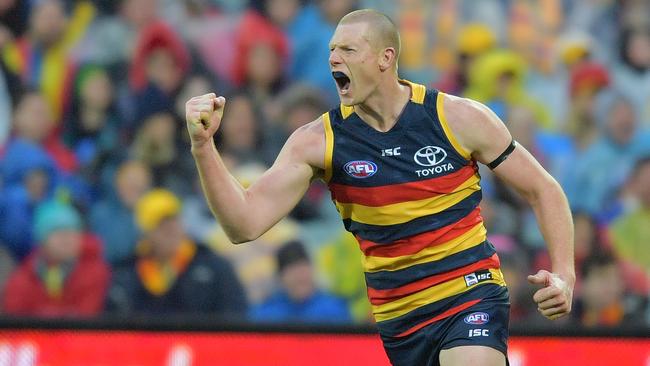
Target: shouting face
354, 63
363, 54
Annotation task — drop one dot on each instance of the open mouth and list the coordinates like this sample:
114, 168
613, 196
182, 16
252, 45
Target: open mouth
342, 81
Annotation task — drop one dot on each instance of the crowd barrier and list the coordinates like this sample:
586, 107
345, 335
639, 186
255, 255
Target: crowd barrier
190, 342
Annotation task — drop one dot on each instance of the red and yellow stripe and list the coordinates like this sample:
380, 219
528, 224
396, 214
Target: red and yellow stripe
408, 303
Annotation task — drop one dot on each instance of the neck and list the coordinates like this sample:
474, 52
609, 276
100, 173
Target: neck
384, 106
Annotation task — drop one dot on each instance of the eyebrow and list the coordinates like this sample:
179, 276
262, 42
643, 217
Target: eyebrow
340, 45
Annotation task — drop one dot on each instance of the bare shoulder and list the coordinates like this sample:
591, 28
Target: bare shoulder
476, 127
307, 144
464, 113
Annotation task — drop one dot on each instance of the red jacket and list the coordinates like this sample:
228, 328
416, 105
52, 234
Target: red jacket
83, 293
253, 30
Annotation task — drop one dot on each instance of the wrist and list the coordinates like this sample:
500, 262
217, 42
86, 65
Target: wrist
567, 276
202, 148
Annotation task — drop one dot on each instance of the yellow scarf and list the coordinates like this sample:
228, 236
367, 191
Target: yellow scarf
158, 277
53, 278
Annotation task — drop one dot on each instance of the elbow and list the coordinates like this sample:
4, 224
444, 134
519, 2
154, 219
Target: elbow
548, 190
242, 235
239, 239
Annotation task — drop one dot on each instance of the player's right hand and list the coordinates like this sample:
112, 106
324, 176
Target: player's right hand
203, 116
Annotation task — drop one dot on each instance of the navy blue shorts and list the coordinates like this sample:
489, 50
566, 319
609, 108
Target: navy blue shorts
483, 324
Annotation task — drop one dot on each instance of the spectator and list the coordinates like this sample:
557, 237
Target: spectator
113, 219
298, 299
603, 297
630, 233
159, 66
65, 276
170, 273
157, 144
261, 53
309, 33
42, 57
294, 107
601, 170
244, 138
497, 78
92, 127
587, 80
279, 12
32, 123
585, 91
110, 40
30, 178
473, 41
574, 48
632, 75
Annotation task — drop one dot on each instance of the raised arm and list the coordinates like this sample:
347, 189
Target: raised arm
247, 213
483, 135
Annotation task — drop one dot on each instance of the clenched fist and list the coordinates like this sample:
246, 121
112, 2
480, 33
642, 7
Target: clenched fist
203, 116
555, 297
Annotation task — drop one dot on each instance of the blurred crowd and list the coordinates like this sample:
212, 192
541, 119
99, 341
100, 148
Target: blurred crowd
101, 210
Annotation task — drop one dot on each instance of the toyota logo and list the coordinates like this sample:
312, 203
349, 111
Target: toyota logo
430, 156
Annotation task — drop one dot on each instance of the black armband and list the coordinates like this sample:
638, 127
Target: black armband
504, 155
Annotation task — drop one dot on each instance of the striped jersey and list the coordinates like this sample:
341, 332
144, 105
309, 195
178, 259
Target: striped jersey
410, 196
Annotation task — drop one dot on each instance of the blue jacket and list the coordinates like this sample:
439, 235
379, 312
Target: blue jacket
601, 170
115, 225
16, 206
321, 307
309, 35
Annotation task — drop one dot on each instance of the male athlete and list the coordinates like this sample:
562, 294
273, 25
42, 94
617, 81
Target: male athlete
401, 163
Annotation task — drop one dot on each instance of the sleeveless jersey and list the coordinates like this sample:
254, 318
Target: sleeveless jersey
410, 196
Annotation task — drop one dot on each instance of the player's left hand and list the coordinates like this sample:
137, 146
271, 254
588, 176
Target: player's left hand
554, 298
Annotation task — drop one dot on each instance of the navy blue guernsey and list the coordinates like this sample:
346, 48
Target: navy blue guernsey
410, 196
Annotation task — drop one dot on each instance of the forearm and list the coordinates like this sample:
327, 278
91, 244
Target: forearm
225, 196
554, 219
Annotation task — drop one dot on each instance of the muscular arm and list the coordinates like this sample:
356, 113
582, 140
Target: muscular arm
480, 132
246, 213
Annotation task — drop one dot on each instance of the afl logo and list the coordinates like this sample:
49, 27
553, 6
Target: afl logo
477, 318
360, 168
430, 156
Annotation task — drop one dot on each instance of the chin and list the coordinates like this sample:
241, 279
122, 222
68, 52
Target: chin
347, 101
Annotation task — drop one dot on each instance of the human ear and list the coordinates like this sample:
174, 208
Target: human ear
387, 58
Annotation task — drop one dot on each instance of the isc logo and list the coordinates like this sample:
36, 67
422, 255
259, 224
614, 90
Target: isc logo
477, 318
476, 277
360, 168
478, 333
391, 152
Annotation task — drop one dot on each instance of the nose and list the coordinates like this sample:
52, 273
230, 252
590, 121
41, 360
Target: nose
334, 59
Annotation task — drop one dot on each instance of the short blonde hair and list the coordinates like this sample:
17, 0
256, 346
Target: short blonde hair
383, 31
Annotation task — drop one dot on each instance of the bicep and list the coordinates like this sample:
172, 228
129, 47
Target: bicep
523, 172
486, 137
281, 187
